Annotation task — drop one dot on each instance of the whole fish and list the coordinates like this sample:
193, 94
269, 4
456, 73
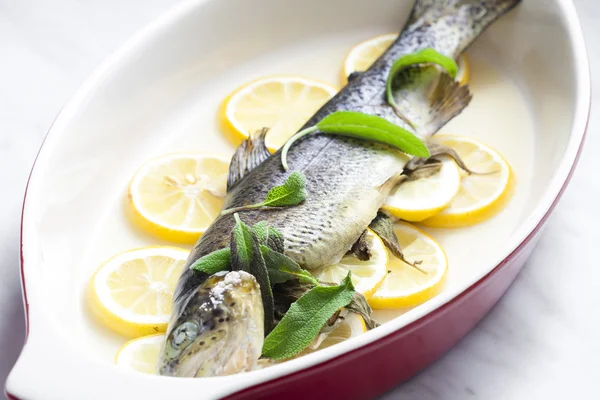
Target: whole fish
348, 180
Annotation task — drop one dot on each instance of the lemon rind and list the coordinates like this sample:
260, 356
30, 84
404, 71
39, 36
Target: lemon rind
103, 307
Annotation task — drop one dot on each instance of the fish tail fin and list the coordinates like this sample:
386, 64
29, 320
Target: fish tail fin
464, 19
447, 99
448, 26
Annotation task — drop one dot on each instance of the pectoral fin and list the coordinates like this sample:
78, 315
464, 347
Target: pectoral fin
251, 153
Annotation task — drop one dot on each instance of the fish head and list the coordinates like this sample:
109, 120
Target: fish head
218, 331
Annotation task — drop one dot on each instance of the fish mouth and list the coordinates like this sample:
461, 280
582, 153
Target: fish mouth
220, 330
191, 360
232, 355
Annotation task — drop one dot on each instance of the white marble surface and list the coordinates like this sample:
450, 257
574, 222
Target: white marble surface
540, 341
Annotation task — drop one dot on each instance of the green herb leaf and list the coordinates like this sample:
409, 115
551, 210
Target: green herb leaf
305, 318
282, 268
246, 256
425, 56
276, 240
374, 128
242, 246
291, 193
383, 227
219, 260
362, 126
360, 306
261, 230
269, 236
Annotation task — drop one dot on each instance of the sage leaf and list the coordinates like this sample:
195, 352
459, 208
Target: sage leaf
219, 260
275, 240
291, 193
360, 249
383, 227
362, 126
282, 268
374, 128
261, 230
424, 56
285, 294
305, 318
242, 246
246, 256
269, 236
360, 306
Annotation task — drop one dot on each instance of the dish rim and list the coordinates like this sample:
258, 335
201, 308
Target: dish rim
148, 34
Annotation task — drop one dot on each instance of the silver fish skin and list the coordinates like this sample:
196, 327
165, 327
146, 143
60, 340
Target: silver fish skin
221, 331
348, 180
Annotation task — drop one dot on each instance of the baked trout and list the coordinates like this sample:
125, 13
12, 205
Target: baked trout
348, 180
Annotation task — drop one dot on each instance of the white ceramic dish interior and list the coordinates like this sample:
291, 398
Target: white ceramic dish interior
160, 94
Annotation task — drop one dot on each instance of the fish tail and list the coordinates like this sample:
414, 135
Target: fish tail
449, 27
454, 24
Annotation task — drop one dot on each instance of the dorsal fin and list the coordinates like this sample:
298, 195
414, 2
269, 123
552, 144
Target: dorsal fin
248, 156
354, 75
428, 98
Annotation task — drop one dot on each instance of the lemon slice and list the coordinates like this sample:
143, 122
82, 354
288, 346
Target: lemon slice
405, 286
132, 292
281, 103
176, 197
366, 275
140, 354
480, 195
364, 54
422, 198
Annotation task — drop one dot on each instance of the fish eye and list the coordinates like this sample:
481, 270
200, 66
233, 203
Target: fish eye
188, 331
